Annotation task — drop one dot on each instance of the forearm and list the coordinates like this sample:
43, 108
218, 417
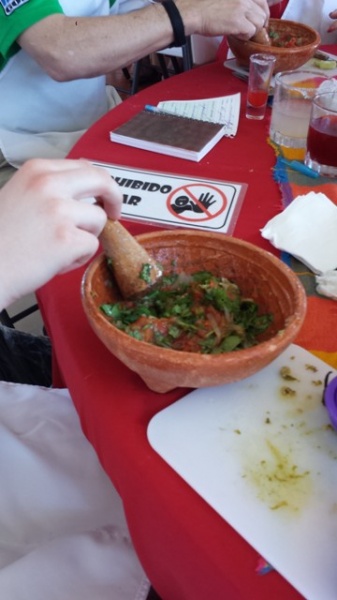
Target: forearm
69, 48
72, 48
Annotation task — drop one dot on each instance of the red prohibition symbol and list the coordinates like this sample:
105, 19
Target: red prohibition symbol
196, 202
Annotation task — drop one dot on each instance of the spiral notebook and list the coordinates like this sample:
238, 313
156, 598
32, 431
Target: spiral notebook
170, 134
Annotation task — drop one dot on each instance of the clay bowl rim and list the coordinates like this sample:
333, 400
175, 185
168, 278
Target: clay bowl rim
293, 322
279, 51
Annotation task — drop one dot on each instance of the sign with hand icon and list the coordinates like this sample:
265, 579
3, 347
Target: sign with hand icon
178, 201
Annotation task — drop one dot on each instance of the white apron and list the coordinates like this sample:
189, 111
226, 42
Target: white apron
41, 117
313, 13
63, 534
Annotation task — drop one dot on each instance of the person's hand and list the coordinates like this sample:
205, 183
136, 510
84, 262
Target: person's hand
44, 228
242, 18
333, 26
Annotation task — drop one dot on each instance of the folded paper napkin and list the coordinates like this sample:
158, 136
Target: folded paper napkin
327, 284
307, 230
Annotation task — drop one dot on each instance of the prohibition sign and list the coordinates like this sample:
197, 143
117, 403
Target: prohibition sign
201, 202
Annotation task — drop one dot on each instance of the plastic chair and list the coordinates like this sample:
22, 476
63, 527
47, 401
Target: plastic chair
174, 53
197, 51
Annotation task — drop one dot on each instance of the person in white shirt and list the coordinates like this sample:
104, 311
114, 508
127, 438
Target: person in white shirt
55, 54
63, 530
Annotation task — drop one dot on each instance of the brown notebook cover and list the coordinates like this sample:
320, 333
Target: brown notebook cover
169, 134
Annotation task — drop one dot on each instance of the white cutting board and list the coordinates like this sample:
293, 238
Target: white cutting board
267, 463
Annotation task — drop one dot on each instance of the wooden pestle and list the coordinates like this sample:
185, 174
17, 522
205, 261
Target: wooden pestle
135, 271
262, 37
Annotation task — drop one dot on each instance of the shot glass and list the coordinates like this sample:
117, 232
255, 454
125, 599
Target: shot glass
321, 155
261, 68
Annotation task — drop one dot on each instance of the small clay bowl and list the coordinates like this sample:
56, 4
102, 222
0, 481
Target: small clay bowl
259, 275
286, 58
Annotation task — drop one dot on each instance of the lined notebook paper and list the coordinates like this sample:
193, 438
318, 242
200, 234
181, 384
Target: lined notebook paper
222, 109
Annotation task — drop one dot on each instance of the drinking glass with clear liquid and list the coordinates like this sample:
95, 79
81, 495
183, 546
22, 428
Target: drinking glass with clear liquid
321, 153
293, 94
261, 68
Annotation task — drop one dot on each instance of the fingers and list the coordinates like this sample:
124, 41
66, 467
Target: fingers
241, 18
95, 181
75, 179
73, 230
42, 211
333, 26
88, 217
258, 20
253, 17
86, 246
59, 188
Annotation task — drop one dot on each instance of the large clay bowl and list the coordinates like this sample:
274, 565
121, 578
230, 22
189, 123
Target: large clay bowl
286, 58
259, 274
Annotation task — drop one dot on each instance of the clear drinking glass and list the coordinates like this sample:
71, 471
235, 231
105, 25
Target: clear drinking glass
321, 153
293, 94
260, 71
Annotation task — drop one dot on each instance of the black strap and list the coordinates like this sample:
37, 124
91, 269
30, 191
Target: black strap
176, 22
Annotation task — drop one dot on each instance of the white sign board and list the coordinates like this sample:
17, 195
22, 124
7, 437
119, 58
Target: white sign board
177, 200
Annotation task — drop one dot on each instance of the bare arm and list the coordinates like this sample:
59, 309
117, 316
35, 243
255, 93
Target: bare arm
71, 48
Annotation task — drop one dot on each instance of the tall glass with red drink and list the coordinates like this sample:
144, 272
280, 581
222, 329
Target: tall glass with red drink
321, 154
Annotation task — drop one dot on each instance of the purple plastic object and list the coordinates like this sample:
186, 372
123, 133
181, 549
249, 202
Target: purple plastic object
330, 400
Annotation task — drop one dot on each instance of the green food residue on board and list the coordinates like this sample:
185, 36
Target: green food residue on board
279, 481
287, 375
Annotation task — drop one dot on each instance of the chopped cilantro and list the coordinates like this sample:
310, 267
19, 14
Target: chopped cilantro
145, 273
196, 313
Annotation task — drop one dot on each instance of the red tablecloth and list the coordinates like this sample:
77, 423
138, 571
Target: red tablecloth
187, 549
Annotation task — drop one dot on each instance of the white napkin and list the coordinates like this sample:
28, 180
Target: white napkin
327, 284
307, 229
63, 531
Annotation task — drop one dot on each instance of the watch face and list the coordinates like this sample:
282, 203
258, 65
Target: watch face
330, 401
